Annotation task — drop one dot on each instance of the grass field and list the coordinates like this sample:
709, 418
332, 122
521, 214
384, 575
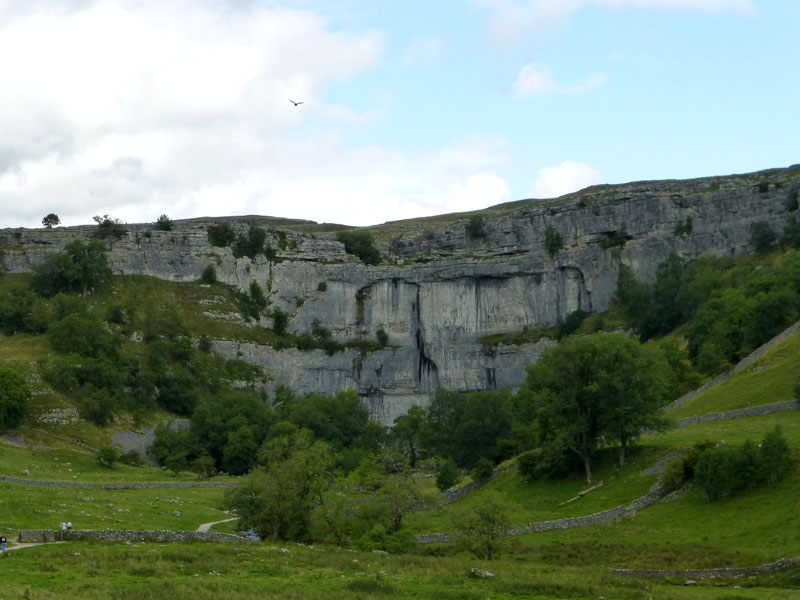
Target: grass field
772, 378
748, 529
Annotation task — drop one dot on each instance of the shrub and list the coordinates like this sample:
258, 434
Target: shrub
106, 456
791, 200
322, 286
109, 228
280, 320
762, 237
221, 234
447, 476
250, 245
790, 238
131, 458
204, 344
476, 227
209, 275
14, 397
252, 304
571, 323
673, 476
482, 470
553, 242
360, 243
529, 464
164, 223
382, 337
614, 239
683, 228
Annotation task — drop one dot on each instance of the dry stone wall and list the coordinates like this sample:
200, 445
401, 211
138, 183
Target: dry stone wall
128, 535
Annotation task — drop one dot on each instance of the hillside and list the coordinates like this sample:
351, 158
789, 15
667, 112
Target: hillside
436, 288
753, 528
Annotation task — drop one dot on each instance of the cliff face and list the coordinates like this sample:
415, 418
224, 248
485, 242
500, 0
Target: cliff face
438, 291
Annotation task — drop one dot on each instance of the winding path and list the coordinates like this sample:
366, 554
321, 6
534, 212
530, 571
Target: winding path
206, 526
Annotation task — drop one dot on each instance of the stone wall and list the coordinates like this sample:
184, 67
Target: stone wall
745, 362
128, 535
167, 484
56, 484
752, 411
779, 565
612, 515
120, 486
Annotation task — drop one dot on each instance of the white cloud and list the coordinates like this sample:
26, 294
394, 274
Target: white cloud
569, 176
135, 108
533, 81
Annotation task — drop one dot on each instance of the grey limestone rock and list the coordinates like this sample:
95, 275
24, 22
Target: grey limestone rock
438, 292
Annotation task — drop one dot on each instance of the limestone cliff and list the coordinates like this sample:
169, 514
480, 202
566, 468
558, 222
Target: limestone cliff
438, 291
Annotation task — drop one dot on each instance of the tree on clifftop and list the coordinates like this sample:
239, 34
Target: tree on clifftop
599, 386
51, 220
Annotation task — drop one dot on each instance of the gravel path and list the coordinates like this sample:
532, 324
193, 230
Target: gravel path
206, 526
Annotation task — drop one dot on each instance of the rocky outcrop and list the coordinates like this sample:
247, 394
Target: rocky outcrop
438, 292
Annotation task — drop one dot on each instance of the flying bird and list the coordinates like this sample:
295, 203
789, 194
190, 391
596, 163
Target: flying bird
296, 103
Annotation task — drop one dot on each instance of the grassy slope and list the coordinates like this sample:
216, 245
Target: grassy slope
751, 528
772, 378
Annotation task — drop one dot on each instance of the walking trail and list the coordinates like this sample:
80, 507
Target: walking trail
206, 526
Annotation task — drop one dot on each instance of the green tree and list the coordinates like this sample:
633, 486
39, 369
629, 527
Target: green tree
83, 335
51, 220
601, 385
482, 528
15, 393
277, 499
238, 455
409, 433
775, 456
80, 268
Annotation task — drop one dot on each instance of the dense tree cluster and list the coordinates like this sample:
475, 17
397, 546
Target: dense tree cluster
729, 306
723, 470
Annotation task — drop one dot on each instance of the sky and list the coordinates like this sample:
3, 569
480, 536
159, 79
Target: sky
138, 108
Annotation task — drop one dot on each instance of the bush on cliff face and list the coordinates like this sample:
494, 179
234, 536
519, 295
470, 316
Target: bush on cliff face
476, 227
762, 237
221, 235
553, 242
361, 244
